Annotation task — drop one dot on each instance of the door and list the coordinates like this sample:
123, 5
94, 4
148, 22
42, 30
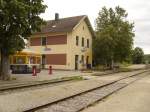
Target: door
43, 61
87, 61
76, 62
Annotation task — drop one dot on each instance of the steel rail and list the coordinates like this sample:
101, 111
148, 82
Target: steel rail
48, 104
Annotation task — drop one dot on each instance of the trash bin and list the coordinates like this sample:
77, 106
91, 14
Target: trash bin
88, 66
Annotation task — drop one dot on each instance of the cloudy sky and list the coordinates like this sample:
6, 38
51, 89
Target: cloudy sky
138, 11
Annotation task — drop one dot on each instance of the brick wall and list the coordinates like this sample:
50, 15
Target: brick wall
56, 59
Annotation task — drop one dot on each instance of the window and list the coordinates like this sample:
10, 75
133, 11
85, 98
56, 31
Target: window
83, 27
32, 60
77, 40
19, 60
87, 43
43, 39
38, 60
82, 42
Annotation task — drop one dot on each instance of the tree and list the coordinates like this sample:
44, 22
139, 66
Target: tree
147, 58
138, 55
18, 19
114, 36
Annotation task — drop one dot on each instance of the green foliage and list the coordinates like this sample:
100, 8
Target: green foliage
115, 34
147, 58
138, 55
18, 19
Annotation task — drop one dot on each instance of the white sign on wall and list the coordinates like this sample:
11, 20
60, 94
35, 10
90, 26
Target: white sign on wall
47, 49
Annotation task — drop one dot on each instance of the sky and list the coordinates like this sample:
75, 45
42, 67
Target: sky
138, 12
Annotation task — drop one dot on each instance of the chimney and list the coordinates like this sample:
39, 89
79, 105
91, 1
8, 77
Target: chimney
56, 16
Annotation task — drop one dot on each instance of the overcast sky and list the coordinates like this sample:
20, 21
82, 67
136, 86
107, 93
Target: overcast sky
138, 11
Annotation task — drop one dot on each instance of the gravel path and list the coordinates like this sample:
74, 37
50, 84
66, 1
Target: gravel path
78, 103
16, 90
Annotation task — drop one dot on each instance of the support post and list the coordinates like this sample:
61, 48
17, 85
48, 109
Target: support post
50, 70
34, 72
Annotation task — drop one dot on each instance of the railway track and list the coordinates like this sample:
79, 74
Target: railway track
36, 84
19, 87
82, 100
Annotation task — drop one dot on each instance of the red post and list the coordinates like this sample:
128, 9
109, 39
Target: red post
50, 70
34, 73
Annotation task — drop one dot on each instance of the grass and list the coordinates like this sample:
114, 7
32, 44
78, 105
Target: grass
87, 71
13, 78
125, 64
73, 78
124, 70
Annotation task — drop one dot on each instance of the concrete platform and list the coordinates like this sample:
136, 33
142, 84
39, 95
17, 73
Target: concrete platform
44, 76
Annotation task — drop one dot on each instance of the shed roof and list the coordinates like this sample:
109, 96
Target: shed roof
27, 52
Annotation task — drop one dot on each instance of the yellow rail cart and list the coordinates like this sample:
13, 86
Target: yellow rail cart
24, 61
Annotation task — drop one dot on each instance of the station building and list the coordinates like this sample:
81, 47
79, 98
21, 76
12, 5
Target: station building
65, 43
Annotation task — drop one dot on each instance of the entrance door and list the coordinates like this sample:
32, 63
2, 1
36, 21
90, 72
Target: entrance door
43, 61
76, 62
87, 61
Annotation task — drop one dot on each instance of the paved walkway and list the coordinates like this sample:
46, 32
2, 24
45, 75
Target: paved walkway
137, 66
134, 98
43, 75
18, 102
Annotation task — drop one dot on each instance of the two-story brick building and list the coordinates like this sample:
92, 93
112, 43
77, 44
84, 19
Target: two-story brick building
65, 43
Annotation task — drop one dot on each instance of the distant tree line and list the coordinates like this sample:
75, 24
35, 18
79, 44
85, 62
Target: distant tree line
147, 58
138, 56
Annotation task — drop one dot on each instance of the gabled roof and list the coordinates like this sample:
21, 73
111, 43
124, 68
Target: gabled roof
65, 25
